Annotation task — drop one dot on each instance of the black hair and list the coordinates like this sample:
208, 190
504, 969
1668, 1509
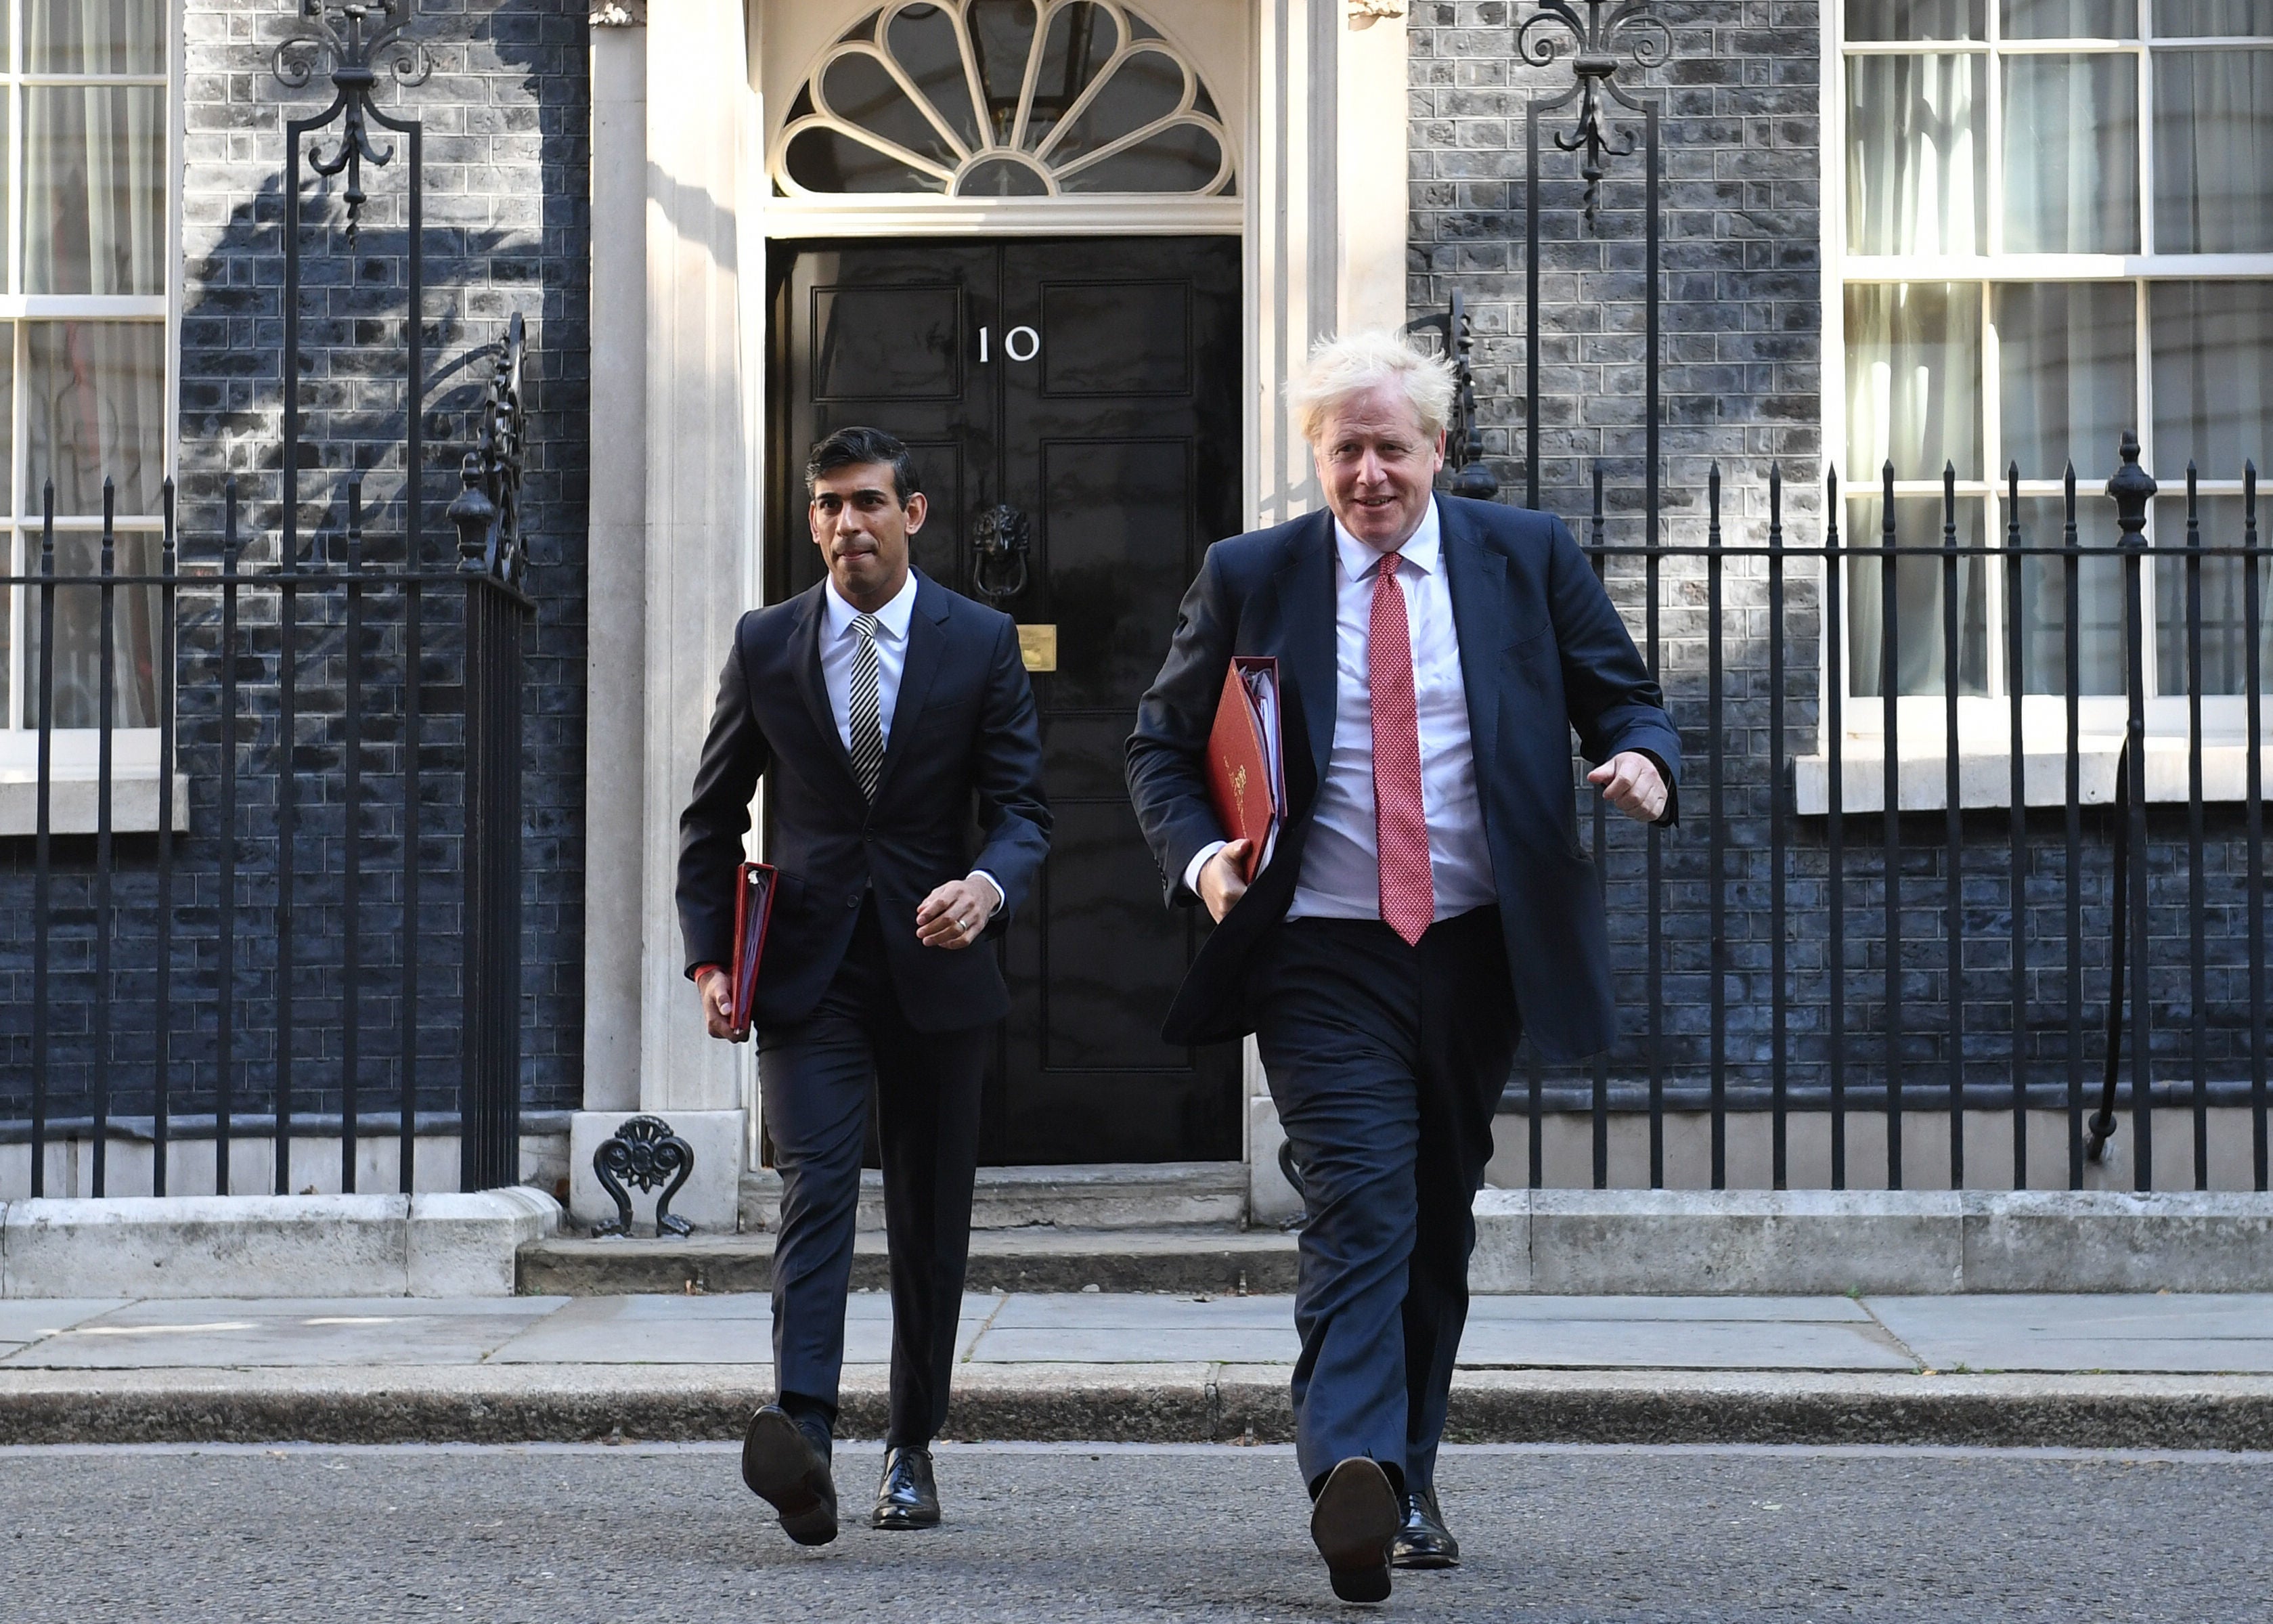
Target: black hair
850, 448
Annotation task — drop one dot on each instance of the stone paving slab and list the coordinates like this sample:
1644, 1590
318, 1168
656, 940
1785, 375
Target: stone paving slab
2176, 1332
729, 1330
237, 1332
25, 1321
1664, 1310
1681, 1344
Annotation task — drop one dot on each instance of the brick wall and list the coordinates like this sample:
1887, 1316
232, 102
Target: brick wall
1741, 375
504, 113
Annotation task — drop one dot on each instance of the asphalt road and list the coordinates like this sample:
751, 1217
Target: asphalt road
627, 1535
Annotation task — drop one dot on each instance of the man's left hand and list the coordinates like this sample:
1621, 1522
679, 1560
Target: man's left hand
956, 915
1632, 783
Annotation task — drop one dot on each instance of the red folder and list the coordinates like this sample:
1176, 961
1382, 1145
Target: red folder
1247, 782
753, 905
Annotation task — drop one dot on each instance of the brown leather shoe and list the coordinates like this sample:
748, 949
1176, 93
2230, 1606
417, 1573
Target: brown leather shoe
784, 1469
1423, 1541
1352, 1522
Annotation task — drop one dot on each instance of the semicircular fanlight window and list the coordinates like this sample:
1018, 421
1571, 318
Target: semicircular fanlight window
1004, 98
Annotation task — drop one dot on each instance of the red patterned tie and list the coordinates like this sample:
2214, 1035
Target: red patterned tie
1408, 898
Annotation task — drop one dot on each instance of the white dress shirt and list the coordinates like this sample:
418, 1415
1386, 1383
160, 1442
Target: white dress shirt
1341, 863
840, 646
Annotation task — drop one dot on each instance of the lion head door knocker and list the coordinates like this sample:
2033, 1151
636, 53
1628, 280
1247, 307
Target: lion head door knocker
1001, 535
644, 1151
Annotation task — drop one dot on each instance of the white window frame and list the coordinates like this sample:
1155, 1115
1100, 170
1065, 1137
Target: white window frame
75, 750
1985, 722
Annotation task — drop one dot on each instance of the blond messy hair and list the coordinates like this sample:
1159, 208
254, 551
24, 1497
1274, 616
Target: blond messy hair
1341, 369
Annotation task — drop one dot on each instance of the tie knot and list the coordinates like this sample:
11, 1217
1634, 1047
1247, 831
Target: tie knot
866, 625
1386, 570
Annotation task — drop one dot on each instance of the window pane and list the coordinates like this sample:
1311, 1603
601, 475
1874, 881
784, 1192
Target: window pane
2044, 597
2213, 376
1914, 155
1917, 599
94, 193
7, 429
2224, 638
2071, 155
1913, 379
2197, 19
94, 37
94, 396
79, 633
2213, 128
1914, 20
2068, 383
2071, 20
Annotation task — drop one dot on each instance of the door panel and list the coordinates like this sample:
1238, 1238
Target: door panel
1093, 386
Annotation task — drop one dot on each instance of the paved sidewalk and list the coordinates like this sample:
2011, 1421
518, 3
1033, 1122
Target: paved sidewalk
2192, 1371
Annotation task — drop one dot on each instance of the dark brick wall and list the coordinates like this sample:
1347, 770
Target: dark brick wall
505, 113
1741, 373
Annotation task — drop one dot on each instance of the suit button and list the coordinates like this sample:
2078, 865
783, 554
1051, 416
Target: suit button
867, 836
851, 902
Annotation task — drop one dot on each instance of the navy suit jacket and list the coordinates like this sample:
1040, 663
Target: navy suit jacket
1542, 651
963, 736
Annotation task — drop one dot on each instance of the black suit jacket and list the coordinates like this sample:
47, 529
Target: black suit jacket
1542, 652
963, 732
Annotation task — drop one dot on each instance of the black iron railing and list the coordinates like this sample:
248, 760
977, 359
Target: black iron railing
1959, 996
262, 963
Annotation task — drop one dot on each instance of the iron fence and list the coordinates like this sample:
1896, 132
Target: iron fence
266, 965
1820, 961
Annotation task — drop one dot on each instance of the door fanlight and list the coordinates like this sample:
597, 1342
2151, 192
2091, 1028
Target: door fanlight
1003, 98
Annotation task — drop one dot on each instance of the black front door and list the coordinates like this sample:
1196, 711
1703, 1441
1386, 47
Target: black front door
1092, 388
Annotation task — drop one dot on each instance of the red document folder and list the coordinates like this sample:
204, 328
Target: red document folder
1247, 781
753, 905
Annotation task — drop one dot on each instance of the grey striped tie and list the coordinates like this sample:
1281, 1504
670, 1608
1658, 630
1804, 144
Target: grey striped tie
867, 711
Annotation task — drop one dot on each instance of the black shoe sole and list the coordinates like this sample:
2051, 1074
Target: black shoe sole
1424, 1562
781, 1468
898, 1519
1355, 1517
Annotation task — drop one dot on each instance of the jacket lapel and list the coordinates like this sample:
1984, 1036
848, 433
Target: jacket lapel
926, 643
1477, 577
1306, 591
805, 661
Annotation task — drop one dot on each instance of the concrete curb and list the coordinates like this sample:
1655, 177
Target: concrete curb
247, 1246
1182, 1404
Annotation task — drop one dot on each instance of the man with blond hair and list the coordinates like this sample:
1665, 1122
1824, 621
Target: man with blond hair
1426, 902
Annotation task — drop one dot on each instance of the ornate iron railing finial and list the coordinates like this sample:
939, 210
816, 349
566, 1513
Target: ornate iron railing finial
359, 37
1597, 44
487, 512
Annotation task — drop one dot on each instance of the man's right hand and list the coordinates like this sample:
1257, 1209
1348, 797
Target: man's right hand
715, 1016
1222, 881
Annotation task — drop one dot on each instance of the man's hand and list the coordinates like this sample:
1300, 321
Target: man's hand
1631, 783
1222, 881
954, 915
716, 1019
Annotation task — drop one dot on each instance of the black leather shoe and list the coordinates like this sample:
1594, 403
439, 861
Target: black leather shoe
1423, 1541
784, 1469
1352, 1522
906, 1498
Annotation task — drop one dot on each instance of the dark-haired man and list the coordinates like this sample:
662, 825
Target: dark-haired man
882, 708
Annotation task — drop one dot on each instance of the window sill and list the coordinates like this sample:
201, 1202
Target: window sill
1985, 775
72, 807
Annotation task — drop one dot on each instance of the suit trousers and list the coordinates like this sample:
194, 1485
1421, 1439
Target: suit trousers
1386, 1061
814, 1078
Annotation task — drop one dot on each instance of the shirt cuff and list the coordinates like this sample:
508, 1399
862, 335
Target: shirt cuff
702, 970
1199, 862
1002, 897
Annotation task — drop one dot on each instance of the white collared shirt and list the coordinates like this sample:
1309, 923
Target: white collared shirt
840, 645
1341, 863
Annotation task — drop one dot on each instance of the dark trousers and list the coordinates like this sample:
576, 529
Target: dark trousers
1386, 1061
814, 1078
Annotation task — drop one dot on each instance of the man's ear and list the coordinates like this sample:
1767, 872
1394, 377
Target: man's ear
919, 508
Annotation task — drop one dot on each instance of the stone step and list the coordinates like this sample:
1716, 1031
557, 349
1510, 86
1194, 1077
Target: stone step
1186, 1259
1114, 1195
